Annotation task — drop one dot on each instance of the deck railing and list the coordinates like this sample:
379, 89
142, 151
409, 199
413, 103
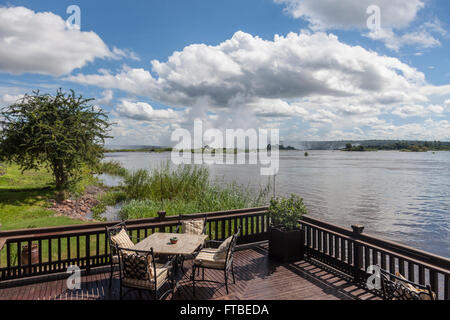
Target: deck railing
86, 246
352, 252
347, 250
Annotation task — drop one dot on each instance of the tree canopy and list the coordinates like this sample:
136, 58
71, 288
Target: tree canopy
60, 132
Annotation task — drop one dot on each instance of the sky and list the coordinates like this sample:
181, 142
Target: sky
314, 69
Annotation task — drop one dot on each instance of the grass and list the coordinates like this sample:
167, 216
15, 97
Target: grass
24, 198
111, 167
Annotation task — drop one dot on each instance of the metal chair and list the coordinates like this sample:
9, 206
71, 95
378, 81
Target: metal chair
208, 259
139, 271
398, 288
186, 218
113, 254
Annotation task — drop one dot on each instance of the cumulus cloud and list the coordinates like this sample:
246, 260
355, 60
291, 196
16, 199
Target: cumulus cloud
107, 97
311, 78
40, 42
396, 17
144, 111
276, 108
409, 111
243, 68
350, 14
423, 37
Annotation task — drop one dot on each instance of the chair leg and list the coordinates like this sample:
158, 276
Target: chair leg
232, 272
203, 273
182, 263
226, 280
111, 275
193, 280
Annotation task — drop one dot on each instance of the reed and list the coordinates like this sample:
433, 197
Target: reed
184, 189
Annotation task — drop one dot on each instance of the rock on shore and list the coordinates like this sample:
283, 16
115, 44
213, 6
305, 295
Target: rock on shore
78, 208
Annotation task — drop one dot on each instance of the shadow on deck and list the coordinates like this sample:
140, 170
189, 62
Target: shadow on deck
257, 278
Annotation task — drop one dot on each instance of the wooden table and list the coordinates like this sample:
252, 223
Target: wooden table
160, 242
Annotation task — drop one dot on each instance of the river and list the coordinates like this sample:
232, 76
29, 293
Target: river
400, 196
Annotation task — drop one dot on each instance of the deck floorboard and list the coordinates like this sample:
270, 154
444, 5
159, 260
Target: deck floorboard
257, 278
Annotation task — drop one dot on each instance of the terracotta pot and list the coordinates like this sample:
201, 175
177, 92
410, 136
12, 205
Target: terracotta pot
26, 253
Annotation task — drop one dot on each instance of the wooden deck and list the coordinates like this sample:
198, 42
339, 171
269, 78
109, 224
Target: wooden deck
257, 277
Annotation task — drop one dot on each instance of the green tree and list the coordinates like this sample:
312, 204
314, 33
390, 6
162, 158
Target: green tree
60, 132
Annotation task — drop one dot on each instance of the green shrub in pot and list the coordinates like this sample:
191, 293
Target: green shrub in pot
284, 213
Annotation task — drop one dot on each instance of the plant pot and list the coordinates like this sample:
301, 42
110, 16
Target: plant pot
286, 246
161, 214
25, 254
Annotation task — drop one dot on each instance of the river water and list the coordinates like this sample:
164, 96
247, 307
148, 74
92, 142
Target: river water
400, 196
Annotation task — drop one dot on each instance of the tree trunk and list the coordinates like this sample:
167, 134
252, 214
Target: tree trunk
59, 174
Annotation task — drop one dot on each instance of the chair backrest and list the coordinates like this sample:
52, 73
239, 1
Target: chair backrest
231, 247
395, 288
136, 264
112, 231
182, 218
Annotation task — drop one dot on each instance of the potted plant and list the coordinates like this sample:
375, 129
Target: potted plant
286, 238
161, 214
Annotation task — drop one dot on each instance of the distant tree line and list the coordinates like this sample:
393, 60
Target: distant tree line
414, 146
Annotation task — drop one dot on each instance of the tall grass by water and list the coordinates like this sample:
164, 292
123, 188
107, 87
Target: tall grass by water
182, 190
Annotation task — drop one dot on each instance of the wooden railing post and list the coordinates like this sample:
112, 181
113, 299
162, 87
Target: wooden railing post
357, 252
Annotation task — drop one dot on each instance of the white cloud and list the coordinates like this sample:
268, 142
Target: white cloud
447, 104
41, 43
395, 16
309, 78
9, 99
107, 97
144, 111
437, 109
276, 108
244, 68
351, 14
410, 111
421, 38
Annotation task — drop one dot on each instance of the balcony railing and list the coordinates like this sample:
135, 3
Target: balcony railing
86, 246
349, 251
352, 252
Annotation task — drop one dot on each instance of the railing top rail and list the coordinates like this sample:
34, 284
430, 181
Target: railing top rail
382, 244
98, 227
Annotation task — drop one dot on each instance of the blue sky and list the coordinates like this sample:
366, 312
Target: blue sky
158, 65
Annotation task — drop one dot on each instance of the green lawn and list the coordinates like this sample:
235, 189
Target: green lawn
24, 199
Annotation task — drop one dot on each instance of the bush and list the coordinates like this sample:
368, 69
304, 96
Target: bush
285, 212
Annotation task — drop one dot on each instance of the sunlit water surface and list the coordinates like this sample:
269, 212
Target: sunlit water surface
404, 197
